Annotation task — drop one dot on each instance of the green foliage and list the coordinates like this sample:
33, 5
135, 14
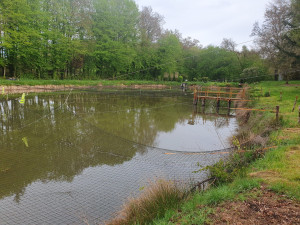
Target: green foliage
180, 79
93, 39
225, 171
253, 74
204, 79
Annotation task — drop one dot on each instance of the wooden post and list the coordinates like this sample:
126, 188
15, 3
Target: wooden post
299, 115
203, 101
277, 113
229, 106
218, 103
280, 96
195, 97
295, 103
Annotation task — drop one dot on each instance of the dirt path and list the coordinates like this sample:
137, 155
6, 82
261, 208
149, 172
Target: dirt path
267, 208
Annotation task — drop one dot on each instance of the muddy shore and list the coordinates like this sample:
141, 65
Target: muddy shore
16, 89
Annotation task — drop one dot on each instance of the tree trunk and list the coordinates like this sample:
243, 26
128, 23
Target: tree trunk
287, 79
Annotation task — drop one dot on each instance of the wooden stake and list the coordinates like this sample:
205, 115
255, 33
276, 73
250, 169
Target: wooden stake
218, 103
299, 115
277, 113
295, 103
203, 102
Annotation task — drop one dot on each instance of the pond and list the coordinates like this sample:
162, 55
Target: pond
70, 157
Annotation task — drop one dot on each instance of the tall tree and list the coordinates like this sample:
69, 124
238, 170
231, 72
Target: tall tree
150, 25
273, 37
115, 23
169, 53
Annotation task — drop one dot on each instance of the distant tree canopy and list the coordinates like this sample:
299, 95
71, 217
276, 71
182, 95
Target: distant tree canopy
111, 39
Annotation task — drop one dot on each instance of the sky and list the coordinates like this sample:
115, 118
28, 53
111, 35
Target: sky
209, 21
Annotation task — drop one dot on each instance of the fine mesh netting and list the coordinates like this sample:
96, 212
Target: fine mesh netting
72, 157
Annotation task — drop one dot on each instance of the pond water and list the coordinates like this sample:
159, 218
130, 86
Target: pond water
71, 157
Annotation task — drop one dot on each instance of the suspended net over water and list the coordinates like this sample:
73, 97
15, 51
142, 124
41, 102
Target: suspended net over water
76, 156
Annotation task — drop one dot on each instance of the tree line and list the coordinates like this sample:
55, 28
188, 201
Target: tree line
113, 39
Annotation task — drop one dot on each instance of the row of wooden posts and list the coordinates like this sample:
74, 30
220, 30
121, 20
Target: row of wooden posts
230, 95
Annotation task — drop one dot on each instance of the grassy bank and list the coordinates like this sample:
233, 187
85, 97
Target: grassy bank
255, 173
4, 82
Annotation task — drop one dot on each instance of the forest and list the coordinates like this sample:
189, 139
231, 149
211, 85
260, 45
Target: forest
114, 39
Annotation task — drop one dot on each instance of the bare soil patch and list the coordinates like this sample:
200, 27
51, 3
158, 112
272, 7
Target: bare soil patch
267, 208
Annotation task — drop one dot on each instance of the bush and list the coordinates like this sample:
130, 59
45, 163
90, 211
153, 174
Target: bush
204, 79
180, 79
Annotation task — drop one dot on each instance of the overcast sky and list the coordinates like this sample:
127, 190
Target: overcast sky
210, 21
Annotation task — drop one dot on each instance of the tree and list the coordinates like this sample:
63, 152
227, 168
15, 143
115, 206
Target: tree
218, 64
169, 53
274, 37
115, 23
150, 25
228, 44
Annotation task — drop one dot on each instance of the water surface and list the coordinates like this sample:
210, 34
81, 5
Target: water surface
76, 156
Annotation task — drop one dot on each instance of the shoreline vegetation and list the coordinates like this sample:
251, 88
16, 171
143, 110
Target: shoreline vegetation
259, 182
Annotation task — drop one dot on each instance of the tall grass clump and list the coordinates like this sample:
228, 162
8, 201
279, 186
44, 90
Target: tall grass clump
153, 203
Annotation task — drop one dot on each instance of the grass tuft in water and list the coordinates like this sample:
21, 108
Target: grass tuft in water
155, 200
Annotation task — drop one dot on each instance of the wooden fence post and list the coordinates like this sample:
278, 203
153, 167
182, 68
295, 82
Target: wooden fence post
218, 103
295, 103
195, 97
299, 115
203, 101
277, 113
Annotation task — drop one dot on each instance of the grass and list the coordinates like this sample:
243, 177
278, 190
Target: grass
155, 200
199, 206
281, 170
289, 93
